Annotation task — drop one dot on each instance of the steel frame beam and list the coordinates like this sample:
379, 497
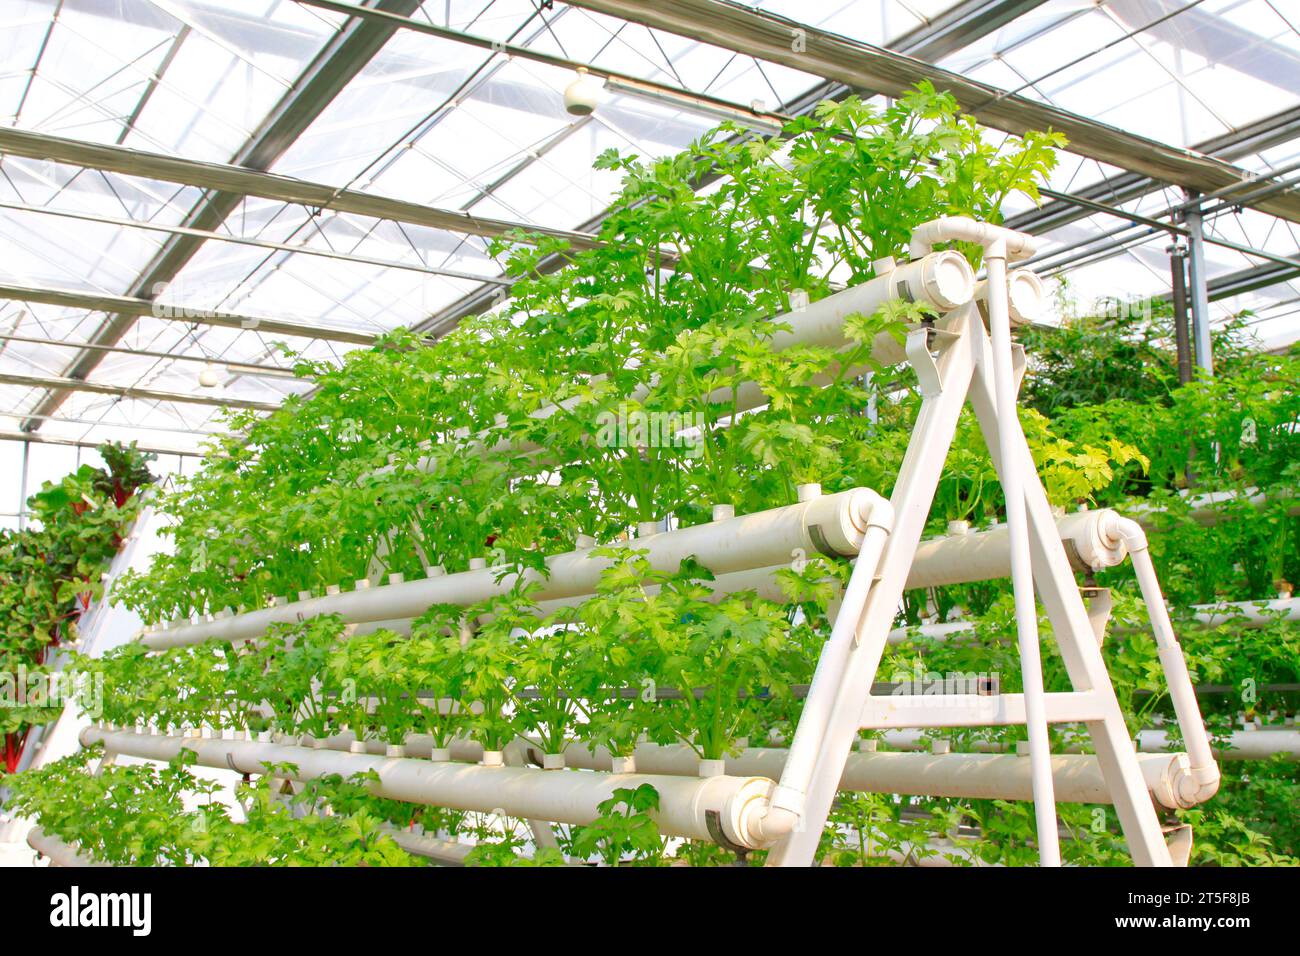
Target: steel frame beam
1125, 187
1252, 278
137, 307
239, 181
28, 438
209, 236
774, 38
236, 368
65, 384
628, 83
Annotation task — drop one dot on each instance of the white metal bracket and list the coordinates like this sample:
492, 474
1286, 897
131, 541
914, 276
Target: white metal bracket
1100, 606
918, 353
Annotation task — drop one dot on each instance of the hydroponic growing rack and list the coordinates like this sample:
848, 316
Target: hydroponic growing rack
768, 798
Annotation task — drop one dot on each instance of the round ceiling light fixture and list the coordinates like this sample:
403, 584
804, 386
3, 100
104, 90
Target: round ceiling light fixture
582, 96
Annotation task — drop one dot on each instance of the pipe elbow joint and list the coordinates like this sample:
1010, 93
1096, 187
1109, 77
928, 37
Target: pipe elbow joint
1117, 527
1208, 779
876, 511
1196, 785
776, 824
965, 229
778, 819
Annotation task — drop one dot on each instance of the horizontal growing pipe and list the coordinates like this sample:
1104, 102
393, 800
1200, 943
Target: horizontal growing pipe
942, 280
718, 809
1208, 508
1077, 777
445, 852
975, 556
1249, 614
57, 851
982, 776
1238, 745
830, 524
986, 555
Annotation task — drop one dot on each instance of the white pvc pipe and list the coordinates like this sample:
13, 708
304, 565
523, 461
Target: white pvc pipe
445, 852
952, 559
57, 851
1014, 246
1026, 297
1260, 744
981, 776
942, 280
1247, 613
833, 524
1181, 691
933, 632
986, 555
1207, 507
699, 808
1022, 571
957, 775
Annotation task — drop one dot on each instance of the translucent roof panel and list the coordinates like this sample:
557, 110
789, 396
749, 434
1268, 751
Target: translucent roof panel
467, 128
654, 55
181, 76
878, 23
42, 248
1169, 70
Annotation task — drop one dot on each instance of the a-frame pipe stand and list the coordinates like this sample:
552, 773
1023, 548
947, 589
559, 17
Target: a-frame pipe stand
956, 366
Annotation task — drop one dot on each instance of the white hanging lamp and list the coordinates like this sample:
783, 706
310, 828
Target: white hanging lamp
582, 96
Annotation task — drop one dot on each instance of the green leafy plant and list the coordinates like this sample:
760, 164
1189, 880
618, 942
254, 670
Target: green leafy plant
51, 570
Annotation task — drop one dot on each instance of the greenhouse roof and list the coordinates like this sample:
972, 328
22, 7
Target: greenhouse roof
185, 184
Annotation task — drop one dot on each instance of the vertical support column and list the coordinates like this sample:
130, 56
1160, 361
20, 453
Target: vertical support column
22, 486
1182, 335
1022, 573
1199, 292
